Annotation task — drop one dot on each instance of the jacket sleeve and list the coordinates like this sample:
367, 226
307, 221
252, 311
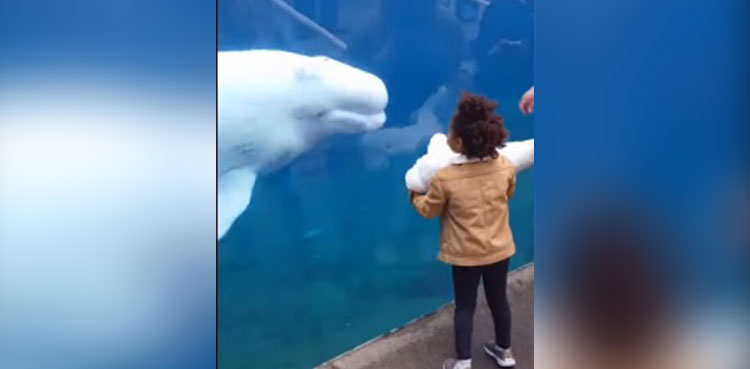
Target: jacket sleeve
431, 204
511, 184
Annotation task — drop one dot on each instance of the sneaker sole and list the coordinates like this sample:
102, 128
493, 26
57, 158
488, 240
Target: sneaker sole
500, 362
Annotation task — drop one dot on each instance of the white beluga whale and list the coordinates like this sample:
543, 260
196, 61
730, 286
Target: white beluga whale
274, 105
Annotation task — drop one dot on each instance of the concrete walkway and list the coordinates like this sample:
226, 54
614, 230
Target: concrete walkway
427, 341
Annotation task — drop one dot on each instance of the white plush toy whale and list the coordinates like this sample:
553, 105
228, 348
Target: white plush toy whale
439, 156
274, 105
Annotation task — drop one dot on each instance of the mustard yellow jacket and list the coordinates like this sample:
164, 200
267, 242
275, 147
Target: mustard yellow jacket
472, 201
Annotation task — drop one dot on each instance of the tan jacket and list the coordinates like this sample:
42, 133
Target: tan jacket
472, 201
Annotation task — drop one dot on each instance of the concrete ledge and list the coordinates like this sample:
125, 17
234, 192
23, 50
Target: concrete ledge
425, 342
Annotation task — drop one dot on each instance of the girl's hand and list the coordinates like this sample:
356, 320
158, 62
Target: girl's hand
527, 102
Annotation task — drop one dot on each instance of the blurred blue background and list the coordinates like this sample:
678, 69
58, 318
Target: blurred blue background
107, 184
642, 197
330, 253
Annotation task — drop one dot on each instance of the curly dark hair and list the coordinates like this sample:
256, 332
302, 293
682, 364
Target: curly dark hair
479, 127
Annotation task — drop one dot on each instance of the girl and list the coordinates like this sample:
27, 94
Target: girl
471, 197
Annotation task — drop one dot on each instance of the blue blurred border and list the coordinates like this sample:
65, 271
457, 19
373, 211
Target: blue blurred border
163, 48
644, 105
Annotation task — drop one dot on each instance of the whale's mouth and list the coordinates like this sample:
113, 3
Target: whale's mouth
355, 121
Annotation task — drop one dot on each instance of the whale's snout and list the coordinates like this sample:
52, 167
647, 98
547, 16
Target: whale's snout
358, 90
379, 93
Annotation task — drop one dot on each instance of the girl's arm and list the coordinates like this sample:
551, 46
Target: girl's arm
431, 204
520, 153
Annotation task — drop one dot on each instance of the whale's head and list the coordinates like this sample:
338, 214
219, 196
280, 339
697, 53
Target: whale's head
337, 98
275, 104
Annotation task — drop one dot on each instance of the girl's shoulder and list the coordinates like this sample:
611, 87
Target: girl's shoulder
472, 169
503, 163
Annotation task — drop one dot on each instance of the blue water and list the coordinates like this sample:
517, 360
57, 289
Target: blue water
330, 253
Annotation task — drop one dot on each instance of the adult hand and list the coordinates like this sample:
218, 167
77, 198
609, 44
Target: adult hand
527, 102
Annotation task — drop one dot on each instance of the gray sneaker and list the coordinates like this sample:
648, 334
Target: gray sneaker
450, 364
503, 357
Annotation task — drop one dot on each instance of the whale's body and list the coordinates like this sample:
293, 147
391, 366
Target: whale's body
274, 105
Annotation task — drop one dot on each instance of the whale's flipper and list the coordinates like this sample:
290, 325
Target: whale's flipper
520, 153
235, 191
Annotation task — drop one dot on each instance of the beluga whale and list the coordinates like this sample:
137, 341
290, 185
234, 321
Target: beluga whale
274, 105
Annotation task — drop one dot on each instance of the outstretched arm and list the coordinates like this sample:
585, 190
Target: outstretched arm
520, 153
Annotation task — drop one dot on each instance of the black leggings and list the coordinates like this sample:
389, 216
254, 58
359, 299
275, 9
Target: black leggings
465, 283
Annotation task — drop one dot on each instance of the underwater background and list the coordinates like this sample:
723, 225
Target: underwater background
330, 253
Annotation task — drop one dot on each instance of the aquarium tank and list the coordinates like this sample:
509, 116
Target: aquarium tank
330, 253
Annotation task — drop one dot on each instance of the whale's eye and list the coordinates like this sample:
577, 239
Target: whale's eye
320, 114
